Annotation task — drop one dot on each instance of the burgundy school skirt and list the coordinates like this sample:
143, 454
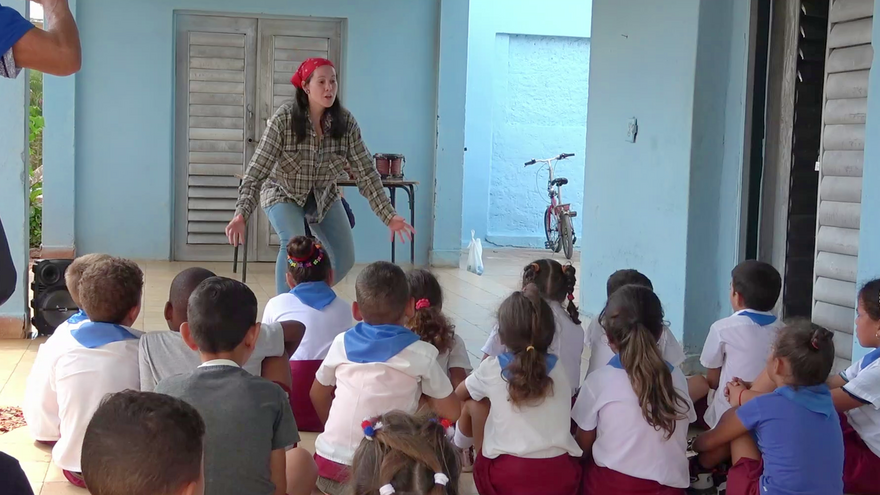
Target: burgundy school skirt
744, 478
510, 475
601, 481
861, 468
332, 470
302, 376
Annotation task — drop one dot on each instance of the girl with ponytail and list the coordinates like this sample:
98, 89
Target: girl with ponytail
633, 413
518, 407
556, 284
433, 327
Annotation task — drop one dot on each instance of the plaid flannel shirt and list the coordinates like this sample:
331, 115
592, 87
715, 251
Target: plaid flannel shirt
290, 171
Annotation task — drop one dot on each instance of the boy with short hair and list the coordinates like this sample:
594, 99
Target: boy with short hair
600, 351
738, 346
141, 443
71, 279
94, 359
376, 367
249, 423
164, 354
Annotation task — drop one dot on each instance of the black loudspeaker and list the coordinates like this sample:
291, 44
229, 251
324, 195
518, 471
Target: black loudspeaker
52, 303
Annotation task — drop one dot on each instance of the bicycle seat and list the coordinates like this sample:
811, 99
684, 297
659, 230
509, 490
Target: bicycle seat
561, 181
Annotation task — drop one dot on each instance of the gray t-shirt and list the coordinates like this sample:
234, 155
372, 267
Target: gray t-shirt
165, 354
246, 418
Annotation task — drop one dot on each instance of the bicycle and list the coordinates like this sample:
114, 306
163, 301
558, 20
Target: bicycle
557, 217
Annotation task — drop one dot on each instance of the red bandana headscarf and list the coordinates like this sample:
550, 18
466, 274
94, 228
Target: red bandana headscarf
306, 68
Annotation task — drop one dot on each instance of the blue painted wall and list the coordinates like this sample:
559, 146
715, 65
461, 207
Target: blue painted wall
540, 110
668, 204
535, 25
869, 235
124, 100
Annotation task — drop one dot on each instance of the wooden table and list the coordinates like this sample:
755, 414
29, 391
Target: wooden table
409, 186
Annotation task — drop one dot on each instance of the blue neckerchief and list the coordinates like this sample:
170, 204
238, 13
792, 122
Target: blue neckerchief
759, 318
367, 343
78, 317
870, 358
615, 363
816, 398
95, 334
505, 358
316, 295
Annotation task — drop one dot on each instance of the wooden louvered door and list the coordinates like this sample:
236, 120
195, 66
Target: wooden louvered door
847, 66
215, 102
283, 46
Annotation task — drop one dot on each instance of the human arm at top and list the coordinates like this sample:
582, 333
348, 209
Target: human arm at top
54, 51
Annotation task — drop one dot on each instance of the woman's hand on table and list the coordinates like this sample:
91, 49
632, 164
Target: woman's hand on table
235, 230
398, 227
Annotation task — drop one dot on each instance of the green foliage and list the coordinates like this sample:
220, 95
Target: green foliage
35, 135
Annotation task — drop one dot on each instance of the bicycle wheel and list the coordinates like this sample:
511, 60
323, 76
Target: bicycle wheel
566, 236
551, 230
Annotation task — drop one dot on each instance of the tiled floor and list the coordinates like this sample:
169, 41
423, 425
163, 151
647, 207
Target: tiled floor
470, 301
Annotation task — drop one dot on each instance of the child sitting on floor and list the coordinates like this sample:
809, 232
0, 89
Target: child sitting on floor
787, 441
738, 346
633, 413
432, 326
405, 454
43, 422
313, 302
376, 367
597, 340
556, 284
165, 354
94, 359
249, 424
141, 443
519, 407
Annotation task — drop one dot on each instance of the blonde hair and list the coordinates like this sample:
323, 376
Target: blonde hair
75, 270
110, 289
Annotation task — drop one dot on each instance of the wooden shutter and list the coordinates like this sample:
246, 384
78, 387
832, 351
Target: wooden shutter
848, 62
214, 113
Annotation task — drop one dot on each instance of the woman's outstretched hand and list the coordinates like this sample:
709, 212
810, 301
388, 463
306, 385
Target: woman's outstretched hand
235, 230
398, 227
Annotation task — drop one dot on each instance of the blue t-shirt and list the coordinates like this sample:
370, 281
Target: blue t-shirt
12, 27
798, 433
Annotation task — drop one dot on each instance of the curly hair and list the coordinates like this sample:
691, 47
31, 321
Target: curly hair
429, 322
109, 289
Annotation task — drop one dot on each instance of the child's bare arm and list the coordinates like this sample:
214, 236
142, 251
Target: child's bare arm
713, 376
293, 335
277, 469
585, 440
461, 391
835, 381
457, 376
448, 407
843, 401
727, 429
322, 399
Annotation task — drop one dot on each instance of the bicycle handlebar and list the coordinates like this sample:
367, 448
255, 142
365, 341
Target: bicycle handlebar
565, 155
530, 162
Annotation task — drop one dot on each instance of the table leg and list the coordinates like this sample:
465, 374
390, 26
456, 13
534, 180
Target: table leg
393, 192
411, 192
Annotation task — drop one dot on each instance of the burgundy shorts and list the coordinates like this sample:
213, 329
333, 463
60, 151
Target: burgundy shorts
601, 480
302, 376
508, 474
861, 468
332, 470
744, 478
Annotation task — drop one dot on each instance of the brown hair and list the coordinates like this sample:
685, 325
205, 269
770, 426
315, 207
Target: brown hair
142, 443
307, 260
75, 270
555, 282
405, 452
429, 322
633, 322
809, 350
869, 296
109, 289
382, 293
526, 327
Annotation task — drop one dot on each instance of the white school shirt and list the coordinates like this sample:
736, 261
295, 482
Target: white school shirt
40, 407
539, 431
78, 379
601, 353
367, 390
456, 356
740, 347
568, 345
625, 442
863, 383
322, 326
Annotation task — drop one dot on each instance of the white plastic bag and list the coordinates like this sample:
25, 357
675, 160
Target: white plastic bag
475, 255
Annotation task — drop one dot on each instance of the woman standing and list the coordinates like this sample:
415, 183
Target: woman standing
307, 146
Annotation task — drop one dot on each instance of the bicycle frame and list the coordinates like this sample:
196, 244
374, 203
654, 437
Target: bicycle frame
553, 191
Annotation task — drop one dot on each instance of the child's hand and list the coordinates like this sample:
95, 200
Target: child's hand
733, 391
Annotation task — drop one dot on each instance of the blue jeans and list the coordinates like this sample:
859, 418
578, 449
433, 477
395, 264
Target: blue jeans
334, 231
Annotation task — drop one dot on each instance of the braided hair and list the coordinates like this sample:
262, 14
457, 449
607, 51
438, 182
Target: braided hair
555, 282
